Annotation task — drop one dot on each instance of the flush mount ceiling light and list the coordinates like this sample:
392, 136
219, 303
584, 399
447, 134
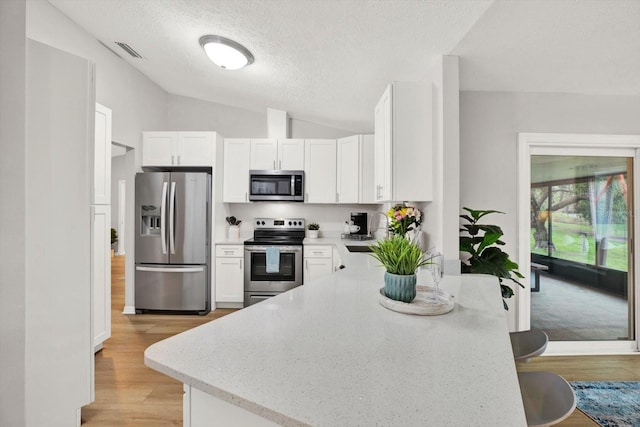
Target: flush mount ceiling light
226, 53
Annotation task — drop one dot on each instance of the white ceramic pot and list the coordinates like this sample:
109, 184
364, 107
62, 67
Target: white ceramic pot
313, 234
233, 232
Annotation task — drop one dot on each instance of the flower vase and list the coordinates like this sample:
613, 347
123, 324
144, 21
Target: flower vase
400, 287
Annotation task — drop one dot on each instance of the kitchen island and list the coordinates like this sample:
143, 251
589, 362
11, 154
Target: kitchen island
328, 354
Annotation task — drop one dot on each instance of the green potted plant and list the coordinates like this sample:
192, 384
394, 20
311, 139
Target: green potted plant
114, 240
313, 230
482, 243
401, 258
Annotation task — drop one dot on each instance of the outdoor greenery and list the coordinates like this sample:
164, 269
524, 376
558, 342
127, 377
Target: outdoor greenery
114, 236
569, 245
485, 256
399, 255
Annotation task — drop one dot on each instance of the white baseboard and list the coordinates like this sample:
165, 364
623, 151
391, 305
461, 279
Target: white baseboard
228, 305
129, 309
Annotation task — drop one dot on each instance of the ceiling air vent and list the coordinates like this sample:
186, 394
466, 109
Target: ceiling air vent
129, 50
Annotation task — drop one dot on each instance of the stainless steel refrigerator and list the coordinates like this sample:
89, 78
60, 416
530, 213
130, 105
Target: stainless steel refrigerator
173, 229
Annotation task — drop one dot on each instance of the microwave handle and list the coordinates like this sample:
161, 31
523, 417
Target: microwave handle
293, 185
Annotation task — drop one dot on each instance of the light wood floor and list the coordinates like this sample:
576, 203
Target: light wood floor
130, 394
127, 392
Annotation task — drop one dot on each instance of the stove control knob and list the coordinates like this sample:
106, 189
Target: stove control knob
257, 222
290, 222
262, 222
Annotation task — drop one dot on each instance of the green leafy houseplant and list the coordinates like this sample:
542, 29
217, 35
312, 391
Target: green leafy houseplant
399, 255
313, 226
401, 258
482, 243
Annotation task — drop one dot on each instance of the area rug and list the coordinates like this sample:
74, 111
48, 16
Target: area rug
609, 403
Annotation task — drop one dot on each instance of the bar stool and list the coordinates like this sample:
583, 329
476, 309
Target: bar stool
528, 344
547, 397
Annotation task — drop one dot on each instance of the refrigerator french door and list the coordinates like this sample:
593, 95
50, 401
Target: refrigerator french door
172, 241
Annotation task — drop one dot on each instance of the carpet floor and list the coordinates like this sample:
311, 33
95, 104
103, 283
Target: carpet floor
609, 403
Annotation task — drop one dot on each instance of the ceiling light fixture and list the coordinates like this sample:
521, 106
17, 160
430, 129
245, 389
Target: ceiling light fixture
226, 53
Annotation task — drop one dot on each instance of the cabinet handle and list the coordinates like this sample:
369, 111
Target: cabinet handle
306, 264
317, 253
337, 197
178, 158
228, 252
246, 196
274, 164
279, 164
172, 158
241, 263
306, 196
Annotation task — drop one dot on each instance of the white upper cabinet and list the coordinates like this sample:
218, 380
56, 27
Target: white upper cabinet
235, 185
291, 154
264, 154
320, 170
280, 154
403, 143
355, 169
102, 157
348, 169
178, 148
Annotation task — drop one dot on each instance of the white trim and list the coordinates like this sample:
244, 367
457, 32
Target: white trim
129, 309
122, 201
617, 145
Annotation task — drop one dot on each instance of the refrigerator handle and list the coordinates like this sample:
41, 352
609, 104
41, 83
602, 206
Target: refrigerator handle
172, 210
163, 218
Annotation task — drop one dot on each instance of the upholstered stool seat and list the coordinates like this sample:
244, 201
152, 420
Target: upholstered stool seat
528, 344
548, 398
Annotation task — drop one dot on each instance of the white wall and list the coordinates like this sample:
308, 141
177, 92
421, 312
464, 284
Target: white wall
138, 104
184, 113
489, 123
440, 222
12, 212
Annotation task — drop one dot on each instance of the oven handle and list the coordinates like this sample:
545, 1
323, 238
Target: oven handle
283, 249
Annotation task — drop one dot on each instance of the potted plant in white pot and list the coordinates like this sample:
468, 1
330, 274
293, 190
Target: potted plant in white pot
313, 230
401, 258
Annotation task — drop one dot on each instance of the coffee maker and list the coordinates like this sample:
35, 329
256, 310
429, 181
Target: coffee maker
360, 219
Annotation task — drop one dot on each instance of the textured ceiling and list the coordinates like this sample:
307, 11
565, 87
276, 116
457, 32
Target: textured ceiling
328, 61
583, 46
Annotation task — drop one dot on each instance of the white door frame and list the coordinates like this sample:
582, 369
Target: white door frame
553, 143
122, 185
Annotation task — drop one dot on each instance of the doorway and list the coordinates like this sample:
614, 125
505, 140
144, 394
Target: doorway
577, 234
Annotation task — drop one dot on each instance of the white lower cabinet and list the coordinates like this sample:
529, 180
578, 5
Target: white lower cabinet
318, 262
101, 273
200, 409
229, 275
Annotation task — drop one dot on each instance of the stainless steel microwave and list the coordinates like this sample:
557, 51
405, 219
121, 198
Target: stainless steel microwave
276, 185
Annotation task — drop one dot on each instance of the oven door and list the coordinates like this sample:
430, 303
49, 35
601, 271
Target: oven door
289, 273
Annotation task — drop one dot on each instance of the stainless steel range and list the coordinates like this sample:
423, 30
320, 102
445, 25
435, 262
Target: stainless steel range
273, 258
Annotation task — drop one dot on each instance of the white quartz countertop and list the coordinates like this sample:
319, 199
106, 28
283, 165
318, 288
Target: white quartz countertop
328, 354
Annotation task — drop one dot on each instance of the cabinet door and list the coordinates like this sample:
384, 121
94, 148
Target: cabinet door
348, 173
158, 148
229, 279
383, 154
291, 154
367, 170
102, 157
264, 154
101, 273
320, 170
195, 149
235, 184
314, 268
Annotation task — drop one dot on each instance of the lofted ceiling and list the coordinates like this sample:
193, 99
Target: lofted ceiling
329, 61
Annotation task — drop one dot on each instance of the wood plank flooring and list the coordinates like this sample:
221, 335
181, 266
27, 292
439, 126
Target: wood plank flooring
130, 394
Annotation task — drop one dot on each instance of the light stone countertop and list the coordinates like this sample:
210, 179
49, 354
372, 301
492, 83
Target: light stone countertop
328, 354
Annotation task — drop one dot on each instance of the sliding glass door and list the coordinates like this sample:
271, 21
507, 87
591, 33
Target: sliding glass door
580, 246
577, 199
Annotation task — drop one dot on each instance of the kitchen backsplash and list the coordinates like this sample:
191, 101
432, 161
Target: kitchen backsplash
330, 217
